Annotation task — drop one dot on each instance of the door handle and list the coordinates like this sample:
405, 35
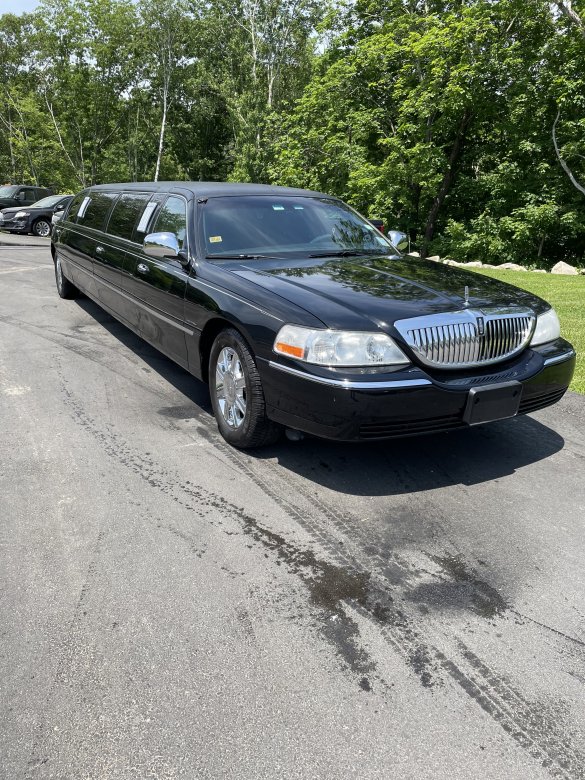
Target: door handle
142, 268
99, 250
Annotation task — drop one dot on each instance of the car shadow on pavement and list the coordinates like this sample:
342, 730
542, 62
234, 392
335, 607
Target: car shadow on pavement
428, 462
182, 380
392, 467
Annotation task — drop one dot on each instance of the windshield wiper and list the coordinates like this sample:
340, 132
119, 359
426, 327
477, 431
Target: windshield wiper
347, 253
242, 257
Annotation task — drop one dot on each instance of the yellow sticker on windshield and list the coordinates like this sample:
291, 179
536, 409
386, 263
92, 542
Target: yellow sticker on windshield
215, 239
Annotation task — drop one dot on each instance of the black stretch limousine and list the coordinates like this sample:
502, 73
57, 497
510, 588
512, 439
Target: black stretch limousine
300, 314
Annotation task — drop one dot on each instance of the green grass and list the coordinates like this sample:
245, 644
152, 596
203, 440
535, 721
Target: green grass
567, 295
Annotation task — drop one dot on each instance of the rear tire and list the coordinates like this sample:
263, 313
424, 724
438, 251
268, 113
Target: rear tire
236, 393
65, 288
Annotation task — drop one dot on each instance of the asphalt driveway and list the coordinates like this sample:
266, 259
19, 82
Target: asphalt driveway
173, 608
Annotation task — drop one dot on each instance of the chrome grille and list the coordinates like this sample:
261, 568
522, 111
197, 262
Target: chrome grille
468, 338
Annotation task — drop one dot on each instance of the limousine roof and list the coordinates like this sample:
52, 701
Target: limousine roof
203, 189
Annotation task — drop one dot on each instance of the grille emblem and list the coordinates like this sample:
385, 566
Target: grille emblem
480, 326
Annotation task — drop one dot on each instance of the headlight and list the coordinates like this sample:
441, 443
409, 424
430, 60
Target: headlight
21, 214
338, 347
548, 328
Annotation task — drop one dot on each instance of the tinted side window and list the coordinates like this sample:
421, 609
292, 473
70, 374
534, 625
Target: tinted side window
95, 213
126, 213
172, 218
71, 213
142, 228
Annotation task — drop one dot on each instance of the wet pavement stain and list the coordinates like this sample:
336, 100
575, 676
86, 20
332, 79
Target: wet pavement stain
457, 587
483, 598
365, 684
330, 586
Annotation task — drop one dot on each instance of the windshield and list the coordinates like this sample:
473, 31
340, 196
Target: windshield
46, 203
274, 225
8, 191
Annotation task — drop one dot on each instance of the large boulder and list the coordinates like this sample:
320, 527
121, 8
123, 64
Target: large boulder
564, 268
512, 267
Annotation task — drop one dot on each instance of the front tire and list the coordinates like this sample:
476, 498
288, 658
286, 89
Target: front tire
41, 228
65, 288
236, 393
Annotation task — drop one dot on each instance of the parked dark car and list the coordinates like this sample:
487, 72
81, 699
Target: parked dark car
21, 195
298, 313
36, 219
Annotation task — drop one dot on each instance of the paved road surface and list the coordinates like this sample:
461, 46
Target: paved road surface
172, 608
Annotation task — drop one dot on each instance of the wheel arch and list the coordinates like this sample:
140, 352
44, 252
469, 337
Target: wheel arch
208, 335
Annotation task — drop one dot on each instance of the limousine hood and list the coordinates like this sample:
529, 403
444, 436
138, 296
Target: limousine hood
355, 292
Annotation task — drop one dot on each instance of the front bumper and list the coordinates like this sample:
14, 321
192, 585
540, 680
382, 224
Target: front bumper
16, 226
407, 402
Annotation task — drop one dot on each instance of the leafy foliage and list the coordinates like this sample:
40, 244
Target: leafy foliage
436, 117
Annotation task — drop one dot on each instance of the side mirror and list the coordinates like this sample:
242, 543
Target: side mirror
161, 245
60, 207
19, 195
399, 239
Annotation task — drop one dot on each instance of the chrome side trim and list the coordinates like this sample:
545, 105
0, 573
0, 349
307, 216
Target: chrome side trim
560, 358
345, 384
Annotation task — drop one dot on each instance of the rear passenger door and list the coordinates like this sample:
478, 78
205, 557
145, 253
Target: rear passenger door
111, 254
83, 236
157, 285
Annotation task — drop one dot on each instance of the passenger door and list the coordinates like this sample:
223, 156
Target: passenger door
157, 285
111, 253
83, 236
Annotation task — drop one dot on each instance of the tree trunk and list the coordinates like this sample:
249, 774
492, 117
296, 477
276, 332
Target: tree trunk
12, 158
162, 135
566, 8
564, 165
447, 182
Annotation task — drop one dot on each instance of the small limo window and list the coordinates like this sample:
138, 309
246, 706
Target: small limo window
71, 213
95, 212
142, 226
172, 218
126, 213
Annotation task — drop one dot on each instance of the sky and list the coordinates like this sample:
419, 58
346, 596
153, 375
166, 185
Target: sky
17, 6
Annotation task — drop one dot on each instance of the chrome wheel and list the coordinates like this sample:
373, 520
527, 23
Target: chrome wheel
230, 387
42, 228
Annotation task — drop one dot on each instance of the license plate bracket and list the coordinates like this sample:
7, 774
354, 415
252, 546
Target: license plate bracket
492, 402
